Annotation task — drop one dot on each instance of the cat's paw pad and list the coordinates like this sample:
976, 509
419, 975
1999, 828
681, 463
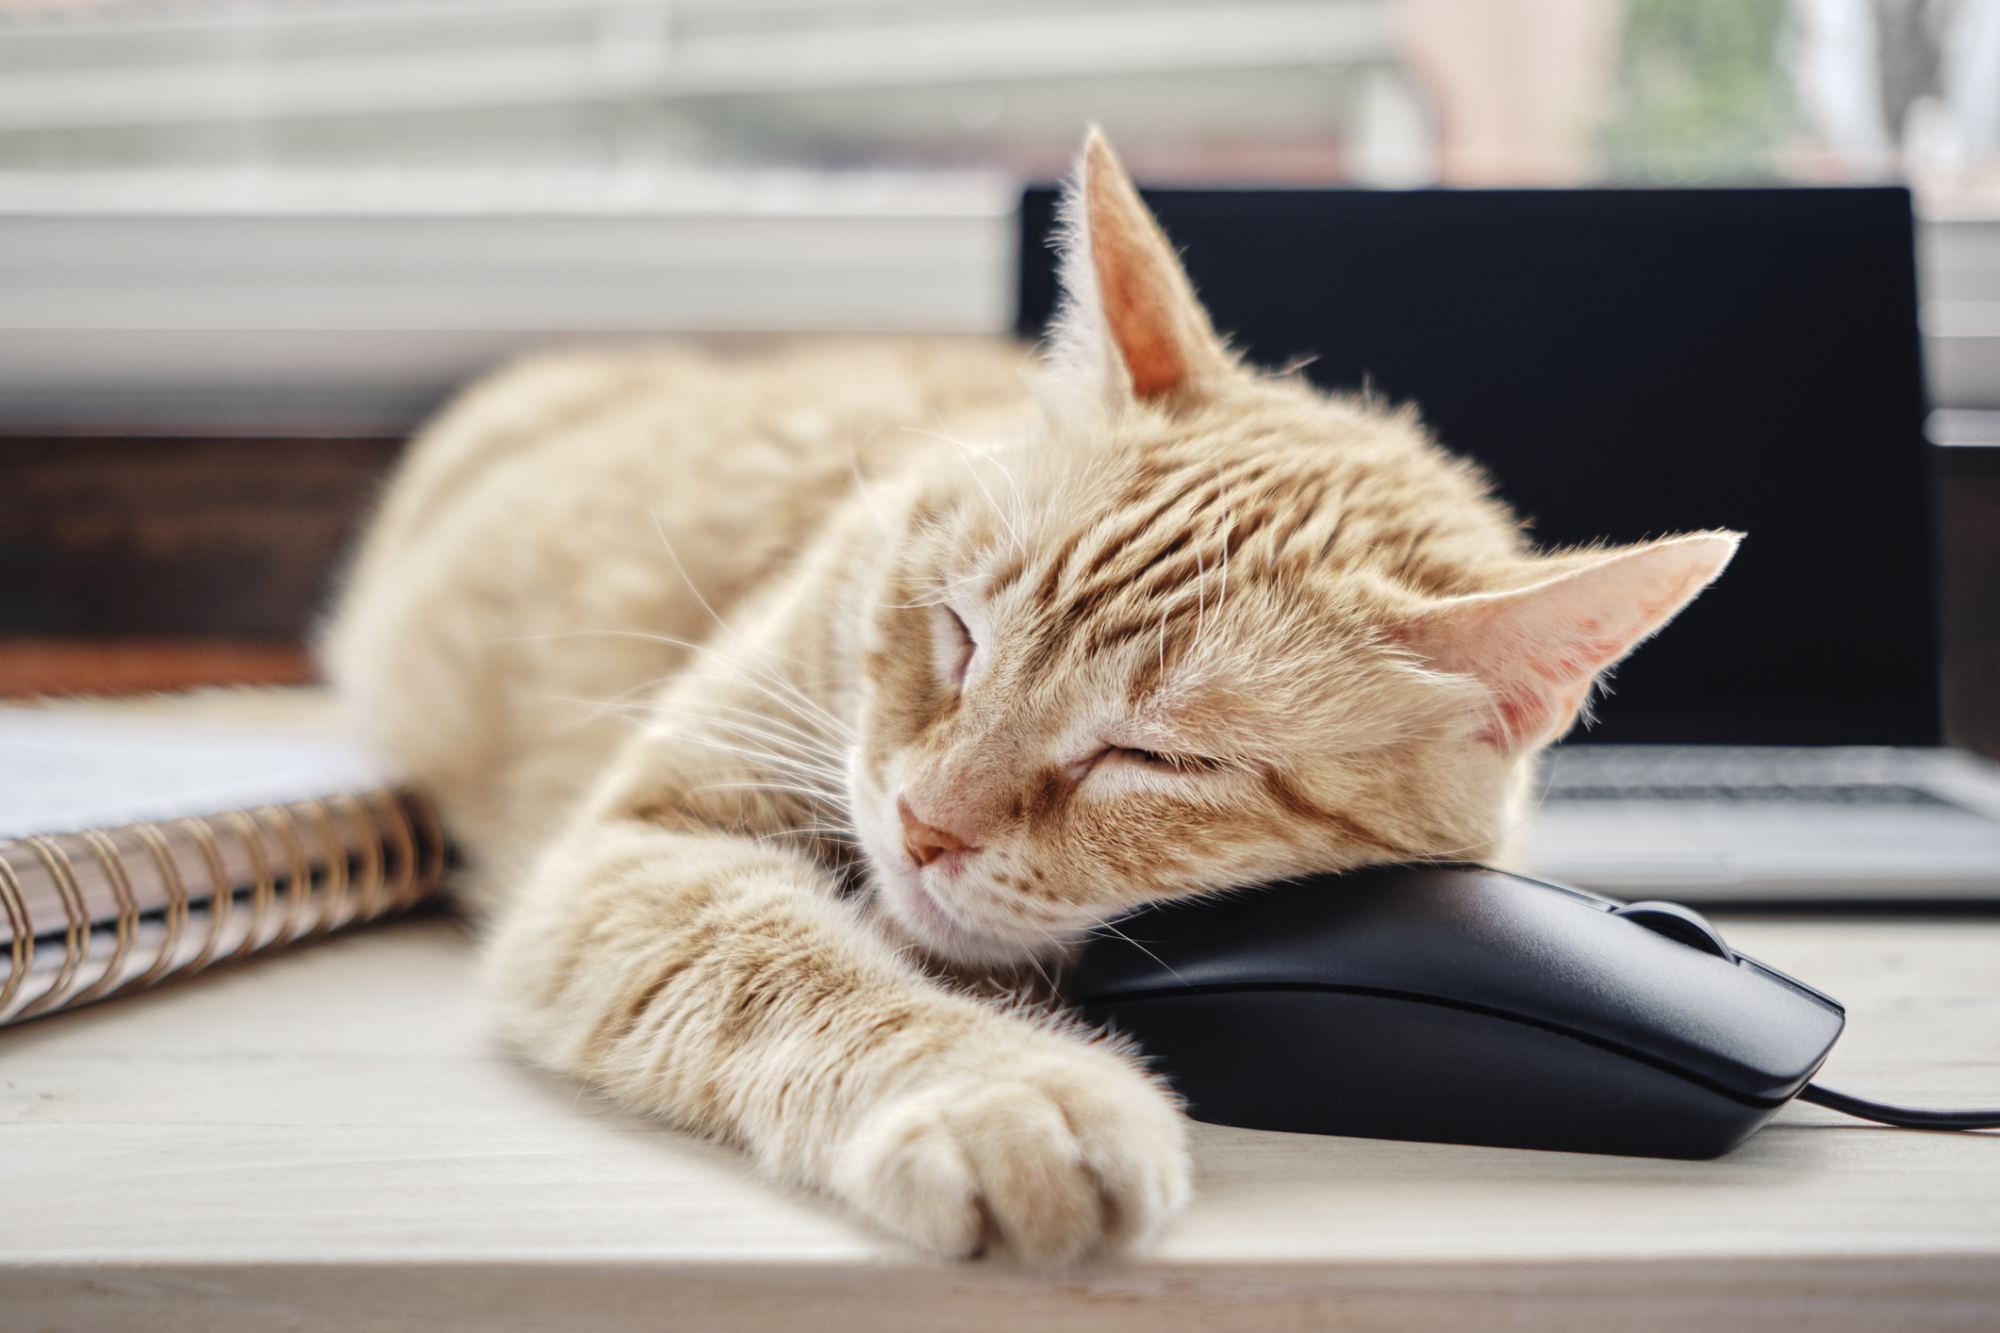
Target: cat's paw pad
1050, 1160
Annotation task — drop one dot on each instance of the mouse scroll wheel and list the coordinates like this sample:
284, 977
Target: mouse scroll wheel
1678, 923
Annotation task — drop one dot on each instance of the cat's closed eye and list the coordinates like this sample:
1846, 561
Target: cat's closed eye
1155, 760
952, 645
1179, 763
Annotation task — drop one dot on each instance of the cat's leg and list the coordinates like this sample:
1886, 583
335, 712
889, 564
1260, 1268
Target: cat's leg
718, 981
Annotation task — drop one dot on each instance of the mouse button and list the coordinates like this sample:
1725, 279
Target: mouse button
1726, 1024
1548, 959
1765, 970
1677, 922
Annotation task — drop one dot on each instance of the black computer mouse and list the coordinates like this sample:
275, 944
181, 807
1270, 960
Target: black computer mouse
1458, 1004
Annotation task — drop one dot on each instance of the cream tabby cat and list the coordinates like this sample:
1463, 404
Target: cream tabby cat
929, 681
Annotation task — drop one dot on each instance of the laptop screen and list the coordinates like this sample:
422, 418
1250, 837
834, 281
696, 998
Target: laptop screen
1631, 363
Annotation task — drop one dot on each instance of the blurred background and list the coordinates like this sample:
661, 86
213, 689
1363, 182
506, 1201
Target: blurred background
246, 244
636, 104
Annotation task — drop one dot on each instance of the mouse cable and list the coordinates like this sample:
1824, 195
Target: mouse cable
1900, 1116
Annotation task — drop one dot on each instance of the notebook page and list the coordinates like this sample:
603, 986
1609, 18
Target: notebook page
63, 771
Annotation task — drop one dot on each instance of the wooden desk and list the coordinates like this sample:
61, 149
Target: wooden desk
330, 1140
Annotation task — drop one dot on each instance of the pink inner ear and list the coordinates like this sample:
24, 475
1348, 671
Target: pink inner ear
1540, 649
1139, 321
1151, 317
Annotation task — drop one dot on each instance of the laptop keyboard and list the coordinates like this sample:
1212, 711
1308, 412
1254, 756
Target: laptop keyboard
1744, 823
1845, 793
1849, 776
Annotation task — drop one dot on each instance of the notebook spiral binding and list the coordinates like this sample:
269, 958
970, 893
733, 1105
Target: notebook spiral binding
104, 912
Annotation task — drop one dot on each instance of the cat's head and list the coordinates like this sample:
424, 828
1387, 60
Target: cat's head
1202, 628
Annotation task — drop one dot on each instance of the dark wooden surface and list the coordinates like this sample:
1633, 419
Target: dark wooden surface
228, 538
158, 563
136, 563
146, 664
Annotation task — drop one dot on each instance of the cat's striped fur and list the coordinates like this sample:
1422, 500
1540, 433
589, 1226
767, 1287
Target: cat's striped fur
784, 701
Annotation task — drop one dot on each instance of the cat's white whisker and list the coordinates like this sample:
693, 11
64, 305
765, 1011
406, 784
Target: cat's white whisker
667, 544
968, 459
782, 788
1047, 981
989, 454
803, 751
1200, 588
791, 696
775, 730
737, 749
1107, 926
696, 726
1228, 524
594, 710
710, 708
865, 493
940, 597
815, 791
750, 673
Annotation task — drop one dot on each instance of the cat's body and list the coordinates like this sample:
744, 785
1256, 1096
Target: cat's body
767, 691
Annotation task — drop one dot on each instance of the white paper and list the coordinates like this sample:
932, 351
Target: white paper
61, 772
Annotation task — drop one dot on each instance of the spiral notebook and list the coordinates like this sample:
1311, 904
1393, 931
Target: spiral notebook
136, 850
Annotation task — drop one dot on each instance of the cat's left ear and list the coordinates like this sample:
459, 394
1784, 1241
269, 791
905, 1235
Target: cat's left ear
1540, 649
1130, 326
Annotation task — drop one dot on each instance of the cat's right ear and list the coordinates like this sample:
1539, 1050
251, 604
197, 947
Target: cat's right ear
1129, 326
1541, 649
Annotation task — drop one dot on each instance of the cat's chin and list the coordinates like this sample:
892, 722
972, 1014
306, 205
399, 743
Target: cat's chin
933, 928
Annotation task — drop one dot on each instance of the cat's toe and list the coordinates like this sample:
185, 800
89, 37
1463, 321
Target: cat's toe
908, 1171
1133, 1142
1053, 1164
1046, 1203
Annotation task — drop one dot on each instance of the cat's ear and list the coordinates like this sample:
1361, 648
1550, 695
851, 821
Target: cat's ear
1129, 326
1540, 649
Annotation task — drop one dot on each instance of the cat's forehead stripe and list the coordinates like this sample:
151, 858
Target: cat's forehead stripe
1110, 635
1222, 508
1046, 592
1115, 546
1135, 581
1197, 506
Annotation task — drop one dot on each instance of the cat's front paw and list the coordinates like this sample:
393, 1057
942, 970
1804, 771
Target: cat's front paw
1050, 1157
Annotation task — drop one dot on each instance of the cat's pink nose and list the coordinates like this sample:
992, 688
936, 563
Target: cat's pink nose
924, 843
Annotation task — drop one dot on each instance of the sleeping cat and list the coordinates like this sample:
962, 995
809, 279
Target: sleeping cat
798, 707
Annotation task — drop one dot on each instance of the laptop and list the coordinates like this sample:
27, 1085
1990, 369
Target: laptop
1629, 363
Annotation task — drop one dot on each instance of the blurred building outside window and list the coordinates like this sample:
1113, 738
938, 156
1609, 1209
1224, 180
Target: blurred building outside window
310, 189
237, 102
